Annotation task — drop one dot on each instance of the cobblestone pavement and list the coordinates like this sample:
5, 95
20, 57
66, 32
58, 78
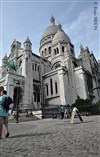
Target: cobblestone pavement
53, 138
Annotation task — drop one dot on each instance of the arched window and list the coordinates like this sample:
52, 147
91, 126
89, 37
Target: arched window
49, 49
32, 66
35, 66
54, 51
42, 53
51, 86
62, 48
57, 50
56, 88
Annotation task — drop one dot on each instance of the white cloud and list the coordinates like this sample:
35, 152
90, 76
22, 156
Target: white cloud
81, 30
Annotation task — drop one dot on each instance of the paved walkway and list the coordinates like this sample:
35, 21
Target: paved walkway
53, 138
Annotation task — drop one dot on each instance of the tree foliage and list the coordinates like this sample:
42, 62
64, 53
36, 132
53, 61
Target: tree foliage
81, 102
86, 107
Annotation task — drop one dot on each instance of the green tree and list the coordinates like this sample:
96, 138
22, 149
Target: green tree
81, 102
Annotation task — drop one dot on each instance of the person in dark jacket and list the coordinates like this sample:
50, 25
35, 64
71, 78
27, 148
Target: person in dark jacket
62, 111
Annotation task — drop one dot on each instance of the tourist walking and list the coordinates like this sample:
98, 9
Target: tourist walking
62, 111
68, 111
1, 119
75, 111
4, 113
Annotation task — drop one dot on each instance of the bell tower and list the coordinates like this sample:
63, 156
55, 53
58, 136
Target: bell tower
28, 44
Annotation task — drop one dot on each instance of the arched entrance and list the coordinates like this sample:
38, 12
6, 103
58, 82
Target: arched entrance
18, 97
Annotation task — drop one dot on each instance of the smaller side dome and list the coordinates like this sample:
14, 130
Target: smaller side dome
60, 36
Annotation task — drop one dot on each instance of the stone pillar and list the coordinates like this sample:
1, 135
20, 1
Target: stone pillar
61, 86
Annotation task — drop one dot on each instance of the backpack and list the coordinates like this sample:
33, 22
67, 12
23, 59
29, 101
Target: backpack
7, 102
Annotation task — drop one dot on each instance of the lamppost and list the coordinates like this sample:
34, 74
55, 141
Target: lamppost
17, 104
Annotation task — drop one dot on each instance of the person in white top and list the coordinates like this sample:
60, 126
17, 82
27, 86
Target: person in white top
75, 111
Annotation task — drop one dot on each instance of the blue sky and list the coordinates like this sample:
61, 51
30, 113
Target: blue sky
20, 19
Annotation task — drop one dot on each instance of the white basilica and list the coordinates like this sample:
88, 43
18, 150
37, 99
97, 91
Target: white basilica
53, 78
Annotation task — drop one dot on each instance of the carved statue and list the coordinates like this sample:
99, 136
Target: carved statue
11, 65
87, 48
81, 48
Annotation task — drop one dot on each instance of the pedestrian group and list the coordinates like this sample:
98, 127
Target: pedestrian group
70, 113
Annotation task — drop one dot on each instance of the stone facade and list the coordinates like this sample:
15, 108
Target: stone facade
53, 78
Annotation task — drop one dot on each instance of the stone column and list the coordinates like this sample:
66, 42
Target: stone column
61, 86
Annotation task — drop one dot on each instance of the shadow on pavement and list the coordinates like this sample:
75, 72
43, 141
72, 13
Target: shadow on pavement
68, 122
30, 135
83, 122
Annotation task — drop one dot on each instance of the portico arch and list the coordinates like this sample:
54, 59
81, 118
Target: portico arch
18, 96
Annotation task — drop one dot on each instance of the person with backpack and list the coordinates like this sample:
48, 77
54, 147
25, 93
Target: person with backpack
8, 104
4, 108
1, 119
3, 114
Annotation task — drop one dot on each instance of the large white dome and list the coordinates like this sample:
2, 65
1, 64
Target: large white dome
51, 30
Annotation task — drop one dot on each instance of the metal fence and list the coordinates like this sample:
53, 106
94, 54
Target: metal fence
89, 110
50, 111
